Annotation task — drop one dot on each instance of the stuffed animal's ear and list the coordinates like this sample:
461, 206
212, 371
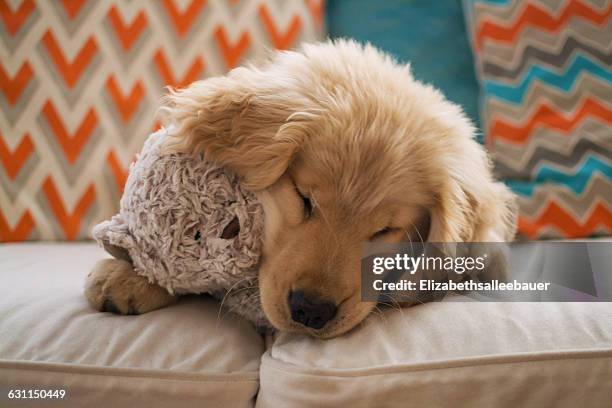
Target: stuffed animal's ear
250, 122
109, 234
117, 252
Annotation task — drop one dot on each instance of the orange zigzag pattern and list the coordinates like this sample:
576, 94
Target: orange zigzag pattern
127, 33
232, 52
71, 144
163, 67
70, 71
73, 7
14, 161
554, 215
69, 222
316, 7
13, 21
126, 105
532, 15
52, 125
183, 21
281, 41
22, 230
120, 174
549, 117
14, 87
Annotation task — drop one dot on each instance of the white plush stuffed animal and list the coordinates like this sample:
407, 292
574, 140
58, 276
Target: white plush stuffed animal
189, 227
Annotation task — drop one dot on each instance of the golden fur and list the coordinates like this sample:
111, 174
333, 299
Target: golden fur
380, 155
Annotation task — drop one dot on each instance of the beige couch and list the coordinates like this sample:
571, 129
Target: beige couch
439, 354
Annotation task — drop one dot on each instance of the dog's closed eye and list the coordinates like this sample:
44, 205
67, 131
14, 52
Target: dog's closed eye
382, 232
306, 202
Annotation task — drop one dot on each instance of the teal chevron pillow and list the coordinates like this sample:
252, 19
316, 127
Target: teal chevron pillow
545, 70
429, 34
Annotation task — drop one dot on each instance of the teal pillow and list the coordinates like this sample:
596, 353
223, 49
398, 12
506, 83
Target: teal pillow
431, 35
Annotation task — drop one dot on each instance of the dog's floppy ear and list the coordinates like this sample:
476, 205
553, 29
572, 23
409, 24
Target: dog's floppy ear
466, 214
242, 121
470, 206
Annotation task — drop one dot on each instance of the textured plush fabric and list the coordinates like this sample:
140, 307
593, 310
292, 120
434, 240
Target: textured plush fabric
545, 69
190, 354
80, 82
174, 210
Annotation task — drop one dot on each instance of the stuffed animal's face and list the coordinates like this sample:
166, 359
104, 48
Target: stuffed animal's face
186, 224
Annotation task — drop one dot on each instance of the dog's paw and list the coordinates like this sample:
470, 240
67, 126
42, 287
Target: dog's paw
113, 286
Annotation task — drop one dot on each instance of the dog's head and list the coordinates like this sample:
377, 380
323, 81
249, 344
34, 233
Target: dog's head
342, 146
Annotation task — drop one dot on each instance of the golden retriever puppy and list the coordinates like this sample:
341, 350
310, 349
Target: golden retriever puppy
342, 145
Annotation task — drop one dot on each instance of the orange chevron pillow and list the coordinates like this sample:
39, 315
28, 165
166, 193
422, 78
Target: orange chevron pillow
82, 81
546, 85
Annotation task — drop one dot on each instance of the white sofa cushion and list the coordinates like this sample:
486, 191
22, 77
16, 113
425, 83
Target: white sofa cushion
51, 338
451, 354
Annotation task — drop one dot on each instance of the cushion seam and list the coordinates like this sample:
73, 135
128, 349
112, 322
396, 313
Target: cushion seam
289, 368
129, 372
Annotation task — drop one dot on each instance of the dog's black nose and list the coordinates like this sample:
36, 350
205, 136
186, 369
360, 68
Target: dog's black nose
310, 313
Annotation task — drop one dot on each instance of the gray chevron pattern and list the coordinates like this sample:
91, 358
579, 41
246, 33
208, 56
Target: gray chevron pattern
555, 59
546, 70
598, 189
596, 36
542, 155
517, 157
538, 93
